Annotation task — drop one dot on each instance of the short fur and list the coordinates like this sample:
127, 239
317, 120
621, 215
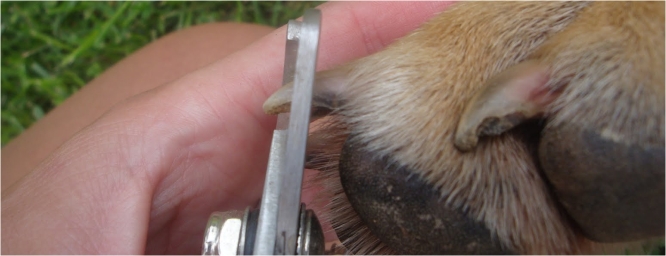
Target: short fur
607, 59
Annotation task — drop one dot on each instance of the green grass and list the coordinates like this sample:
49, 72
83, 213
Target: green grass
51, 49
658, 249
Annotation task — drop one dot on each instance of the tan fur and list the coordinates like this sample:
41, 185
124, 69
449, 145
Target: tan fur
613, 55
406, 100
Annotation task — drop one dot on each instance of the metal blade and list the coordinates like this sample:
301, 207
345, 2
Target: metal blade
290, 192
267, 223
280, 204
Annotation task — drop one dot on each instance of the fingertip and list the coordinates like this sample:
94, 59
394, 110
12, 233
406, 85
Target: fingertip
352, 30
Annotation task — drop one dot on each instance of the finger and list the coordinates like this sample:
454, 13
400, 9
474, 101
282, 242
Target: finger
353, 30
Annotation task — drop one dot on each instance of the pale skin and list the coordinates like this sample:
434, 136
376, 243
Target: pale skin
136, 161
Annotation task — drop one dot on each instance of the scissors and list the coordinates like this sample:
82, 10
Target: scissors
282, 225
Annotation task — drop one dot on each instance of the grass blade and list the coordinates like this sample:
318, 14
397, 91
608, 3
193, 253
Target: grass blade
95, 36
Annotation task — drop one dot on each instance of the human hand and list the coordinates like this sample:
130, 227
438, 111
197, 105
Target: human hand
146, 175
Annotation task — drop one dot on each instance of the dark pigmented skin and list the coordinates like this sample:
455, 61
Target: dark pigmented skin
404, 212
613, 191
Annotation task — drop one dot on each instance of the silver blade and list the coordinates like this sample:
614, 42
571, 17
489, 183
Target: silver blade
290, 192
278, 218
267, 223
290, 56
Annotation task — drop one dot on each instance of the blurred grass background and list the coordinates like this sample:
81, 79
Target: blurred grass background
52, 49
